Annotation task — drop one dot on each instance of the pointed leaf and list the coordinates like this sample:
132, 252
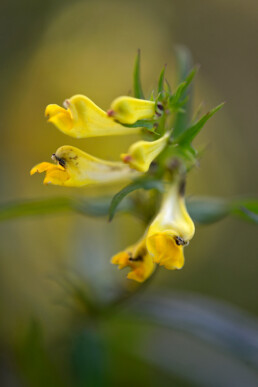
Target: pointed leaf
182, 88
185, 63
138, 93
168, 87
251, 215
161, 80
246, 209
188, 136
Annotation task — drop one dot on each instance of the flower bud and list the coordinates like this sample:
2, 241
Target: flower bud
128, 110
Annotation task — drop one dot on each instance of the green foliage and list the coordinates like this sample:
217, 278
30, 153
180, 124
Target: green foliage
161, 80
144, 183
209, 210
186, 138
246, 209
184, 65
137, 87
21, 208
203, 210
250, 215
25, 208
87, 359
34, 360
180, 97
147, 124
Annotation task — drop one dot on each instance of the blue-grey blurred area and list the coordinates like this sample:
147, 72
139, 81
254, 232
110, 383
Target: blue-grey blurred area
195, 327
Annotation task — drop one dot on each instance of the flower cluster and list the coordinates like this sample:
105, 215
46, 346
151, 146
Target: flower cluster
170, 147
164, 240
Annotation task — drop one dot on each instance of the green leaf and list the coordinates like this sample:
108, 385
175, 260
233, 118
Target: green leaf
168, 88
222, 327
246, 209
24, 208
188, 136
161, 80
88, 358
144, 183
185, 63
251, 215
20, 208
140, 123
202, 210
34, 358
138, 93
181, 90
207, 210
152, 96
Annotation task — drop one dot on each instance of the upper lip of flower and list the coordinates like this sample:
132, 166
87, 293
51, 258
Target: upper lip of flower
171, 230
81, 118
141, 154
128, 110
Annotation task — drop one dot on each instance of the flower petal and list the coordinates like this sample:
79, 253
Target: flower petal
55, 174
138, 259
171, 230
165, 251
128, 110
141, 154
79, 169
82, 118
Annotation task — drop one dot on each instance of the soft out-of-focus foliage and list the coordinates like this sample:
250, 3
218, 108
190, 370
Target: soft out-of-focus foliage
50, 51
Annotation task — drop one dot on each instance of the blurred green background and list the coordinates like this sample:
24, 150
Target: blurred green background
195, 327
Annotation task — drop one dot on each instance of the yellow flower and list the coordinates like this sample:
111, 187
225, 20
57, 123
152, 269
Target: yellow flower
76, 168
141, 154
82, 118
55, 174
171, 230
138, 259
128, 110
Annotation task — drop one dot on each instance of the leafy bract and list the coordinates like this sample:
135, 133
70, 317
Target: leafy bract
161, 80
137, 87
185, 64
190, 133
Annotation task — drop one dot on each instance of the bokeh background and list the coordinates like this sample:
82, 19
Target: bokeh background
195, 327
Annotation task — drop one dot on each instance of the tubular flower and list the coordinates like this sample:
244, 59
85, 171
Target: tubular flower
171, 230
82, 118
138, 259
128, 110
76, 168
141, 154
